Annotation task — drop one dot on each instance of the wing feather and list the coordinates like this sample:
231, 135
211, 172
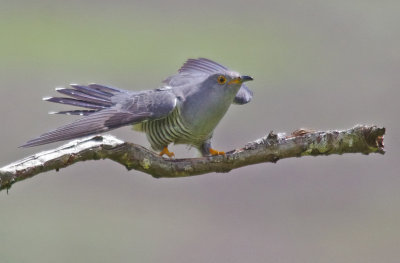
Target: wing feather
243, 96
203, 65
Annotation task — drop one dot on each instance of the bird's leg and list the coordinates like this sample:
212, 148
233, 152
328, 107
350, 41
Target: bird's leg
215, 152
206, 149
167, 152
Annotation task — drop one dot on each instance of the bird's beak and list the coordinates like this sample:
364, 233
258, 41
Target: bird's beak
240, 80
246, 78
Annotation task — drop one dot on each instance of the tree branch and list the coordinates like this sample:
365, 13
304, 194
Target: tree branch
270, 148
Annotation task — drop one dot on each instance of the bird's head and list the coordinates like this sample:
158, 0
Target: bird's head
225, 85
212, 78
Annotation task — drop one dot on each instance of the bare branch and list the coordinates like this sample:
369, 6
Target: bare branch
271, 148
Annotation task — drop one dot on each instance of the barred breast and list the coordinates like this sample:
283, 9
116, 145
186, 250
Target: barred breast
170, 129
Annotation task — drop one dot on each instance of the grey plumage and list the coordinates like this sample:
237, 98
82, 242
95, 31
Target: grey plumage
184, 110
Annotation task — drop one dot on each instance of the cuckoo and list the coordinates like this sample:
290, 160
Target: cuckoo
185, 109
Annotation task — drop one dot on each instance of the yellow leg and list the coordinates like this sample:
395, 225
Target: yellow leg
167, 152
215, 152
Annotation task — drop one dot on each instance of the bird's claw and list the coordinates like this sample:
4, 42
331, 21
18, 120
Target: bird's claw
167, 152
215, 152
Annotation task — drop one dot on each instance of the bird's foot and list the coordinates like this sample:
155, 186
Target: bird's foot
215, 152
167, 152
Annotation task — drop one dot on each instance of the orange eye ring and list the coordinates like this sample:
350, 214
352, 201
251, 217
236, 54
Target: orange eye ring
221, 79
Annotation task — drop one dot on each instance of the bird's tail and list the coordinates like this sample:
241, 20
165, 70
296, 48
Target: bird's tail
93, 97
97, 101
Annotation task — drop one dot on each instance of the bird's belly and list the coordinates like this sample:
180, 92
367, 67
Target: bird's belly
171, 129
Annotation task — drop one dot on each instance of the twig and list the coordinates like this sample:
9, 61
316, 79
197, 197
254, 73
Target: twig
270, 148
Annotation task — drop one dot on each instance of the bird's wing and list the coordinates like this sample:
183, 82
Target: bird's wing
193, 69
130, 108
243, 96
201, 65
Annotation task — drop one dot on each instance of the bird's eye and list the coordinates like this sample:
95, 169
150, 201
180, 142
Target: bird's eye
221, 80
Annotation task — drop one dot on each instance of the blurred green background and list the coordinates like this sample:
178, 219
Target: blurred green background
316, 64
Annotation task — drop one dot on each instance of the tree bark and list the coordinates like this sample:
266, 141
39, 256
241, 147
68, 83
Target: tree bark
270, 148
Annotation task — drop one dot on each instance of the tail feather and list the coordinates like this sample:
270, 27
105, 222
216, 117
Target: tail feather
92, 91
74, 102
74, 112
83, 96
94, 96
79, 128
104, 89
96, 123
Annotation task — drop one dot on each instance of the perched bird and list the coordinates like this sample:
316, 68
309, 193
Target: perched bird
184, 110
